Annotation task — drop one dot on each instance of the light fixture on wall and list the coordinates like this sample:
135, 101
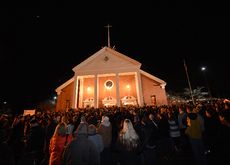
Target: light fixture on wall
88, 89
128, 89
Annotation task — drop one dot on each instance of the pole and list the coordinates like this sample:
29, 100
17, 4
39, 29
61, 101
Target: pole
203, 69
189, 84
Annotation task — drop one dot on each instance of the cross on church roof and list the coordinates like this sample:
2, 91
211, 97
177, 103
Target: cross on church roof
108, 26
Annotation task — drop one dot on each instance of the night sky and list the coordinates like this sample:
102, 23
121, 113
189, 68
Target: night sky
39, 47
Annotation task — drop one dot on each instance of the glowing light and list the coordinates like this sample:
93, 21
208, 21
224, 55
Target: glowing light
203, 68
128, 86
88, 89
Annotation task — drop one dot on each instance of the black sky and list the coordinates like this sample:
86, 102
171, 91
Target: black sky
39, 47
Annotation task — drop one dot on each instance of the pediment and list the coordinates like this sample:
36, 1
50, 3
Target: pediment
106, 59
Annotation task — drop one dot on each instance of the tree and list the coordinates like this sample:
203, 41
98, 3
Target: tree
198, 93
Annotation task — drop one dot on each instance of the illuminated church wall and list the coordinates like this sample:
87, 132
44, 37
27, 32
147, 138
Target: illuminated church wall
150, 88
127, 86
103, 91
126, 82
64, 100
88, 89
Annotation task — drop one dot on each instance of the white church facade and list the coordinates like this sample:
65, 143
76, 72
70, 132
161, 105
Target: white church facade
110, 78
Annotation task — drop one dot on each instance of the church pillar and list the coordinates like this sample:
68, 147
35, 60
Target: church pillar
95, 91
75, 92
139, 89
81, 93
118, 90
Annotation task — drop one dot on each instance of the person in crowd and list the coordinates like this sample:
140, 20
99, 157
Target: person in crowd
194, 131
148, 134
182, 122
212, 127
153, 121
105, 130
83, 119
223, 137
6, 153
128, 144
49, 131
57, 118
163, 125
16, 140
226, 105
81, 150
70, 126
92, 119
64, 119
174, 131
57, 144
35, 141
68, 120
95, 137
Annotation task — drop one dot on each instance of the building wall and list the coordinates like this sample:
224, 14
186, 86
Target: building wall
124, 80
103, 91
150, 88
88, 89
64, 99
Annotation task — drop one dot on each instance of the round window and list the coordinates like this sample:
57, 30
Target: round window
109, 84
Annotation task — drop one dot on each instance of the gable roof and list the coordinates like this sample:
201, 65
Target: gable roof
59, 89
121, 60
162, 82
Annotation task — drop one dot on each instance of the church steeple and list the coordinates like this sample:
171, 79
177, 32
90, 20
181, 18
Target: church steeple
108, 26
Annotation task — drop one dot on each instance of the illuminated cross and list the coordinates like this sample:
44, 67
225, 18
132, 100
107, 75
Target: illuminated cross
108, 26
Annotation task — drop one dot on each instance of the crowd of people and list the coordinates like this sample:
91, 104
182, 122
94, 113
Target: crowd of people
119, 136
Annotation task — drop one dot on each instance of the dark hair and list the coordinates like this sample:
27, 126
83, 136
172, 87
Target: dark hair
127, 120
82, 129
225, 114
211, 111
33, 121
92, 129
192, 116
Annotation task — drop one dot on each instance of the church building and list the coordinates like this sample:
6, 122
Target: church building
110, 78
